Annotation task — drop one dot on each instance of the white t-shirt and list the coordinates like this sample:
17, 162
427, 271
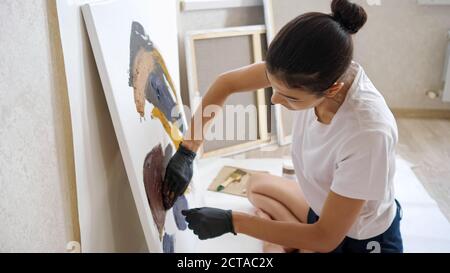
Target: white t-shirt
353, 156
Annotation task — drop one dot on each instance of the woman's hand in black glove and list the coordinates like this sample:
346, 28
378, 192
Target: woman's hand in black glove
209, 223
178, 175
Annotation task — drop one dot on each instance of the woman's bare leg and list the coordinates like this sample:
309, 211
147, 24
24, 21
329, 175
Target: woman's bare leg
278, 199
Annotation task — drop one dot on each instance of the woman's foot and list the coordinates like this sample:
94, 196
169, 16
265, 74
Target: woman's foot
269, 247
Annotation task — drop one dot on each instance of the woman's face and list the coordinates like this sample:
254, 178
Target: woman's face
292, 98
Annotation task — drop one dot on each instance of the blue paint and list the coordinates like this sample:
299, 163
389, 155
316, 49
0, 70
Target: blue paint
159, 94
168, 243
180, 205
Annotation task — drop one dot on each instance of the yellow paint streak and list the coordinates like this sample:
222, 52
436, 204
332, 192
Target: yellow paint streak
173, 132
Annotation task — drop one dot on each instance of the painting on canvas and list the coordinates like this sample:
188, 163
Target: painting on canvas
136, 51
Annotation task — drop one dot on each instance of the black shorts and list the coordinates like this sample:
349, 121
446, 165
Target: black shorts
388, 242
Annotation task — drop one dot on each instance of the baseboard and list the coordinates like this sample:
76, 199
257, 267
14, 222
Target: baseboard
421, 113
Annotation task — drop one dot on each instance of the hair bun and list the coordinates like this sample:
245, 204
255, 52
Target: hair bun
350, 16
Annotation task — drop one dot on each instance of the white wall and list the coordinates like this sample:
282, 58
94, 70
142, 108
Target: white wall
403, 49
37, 181
402, 46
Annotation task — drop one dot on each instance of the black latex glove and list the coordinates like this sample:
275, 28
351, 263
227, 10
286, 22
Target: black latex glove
209, 223
178, 175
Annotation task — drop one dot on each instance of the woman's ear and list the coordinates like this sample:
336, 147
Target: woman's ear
334, 89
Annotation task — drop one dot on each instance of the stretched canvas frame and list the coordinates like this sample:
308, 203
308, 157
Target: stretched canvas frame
255, 32
102, 184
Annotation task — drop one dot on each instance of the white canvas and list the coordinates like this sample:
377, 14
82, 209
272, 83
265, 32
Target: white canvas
107, 215
116, 30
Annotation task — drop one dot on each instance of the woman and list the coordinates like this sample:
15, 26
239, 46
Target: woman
343, 149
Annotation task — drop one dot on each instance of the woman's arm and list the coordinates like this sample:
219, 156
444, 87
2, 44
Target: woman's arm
338, 215
248, 78
179, 170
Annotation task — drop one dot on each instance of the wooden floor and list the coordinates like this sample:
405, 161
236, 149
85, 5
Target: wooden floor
423, 142
426, 144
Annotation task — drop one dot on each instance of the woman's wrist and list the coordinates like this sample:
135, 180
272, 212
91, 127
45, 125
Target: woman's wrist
237, 218
192, 145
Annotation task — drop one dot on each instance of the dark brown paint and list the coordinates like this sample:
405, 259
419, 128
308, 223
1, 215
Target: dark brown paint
153, 179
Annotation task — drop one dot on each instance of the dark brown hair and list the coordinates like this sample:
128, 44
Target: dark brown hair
315, 49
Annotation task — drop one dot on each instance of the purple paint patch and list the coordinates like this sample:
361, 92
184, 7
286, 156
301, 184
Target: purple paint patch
180, 205
168, 243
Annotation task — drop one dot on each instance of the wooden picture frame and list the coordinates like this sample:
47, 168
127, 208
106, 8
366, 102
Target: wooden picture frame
255, 33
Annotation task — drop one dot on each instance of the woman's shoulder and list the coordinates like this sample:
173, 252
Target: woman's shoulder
366, 111
368, 106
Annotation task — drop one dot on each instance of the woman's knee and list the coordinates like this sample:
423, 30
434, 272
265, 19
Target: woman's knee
254, 182
261, 187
